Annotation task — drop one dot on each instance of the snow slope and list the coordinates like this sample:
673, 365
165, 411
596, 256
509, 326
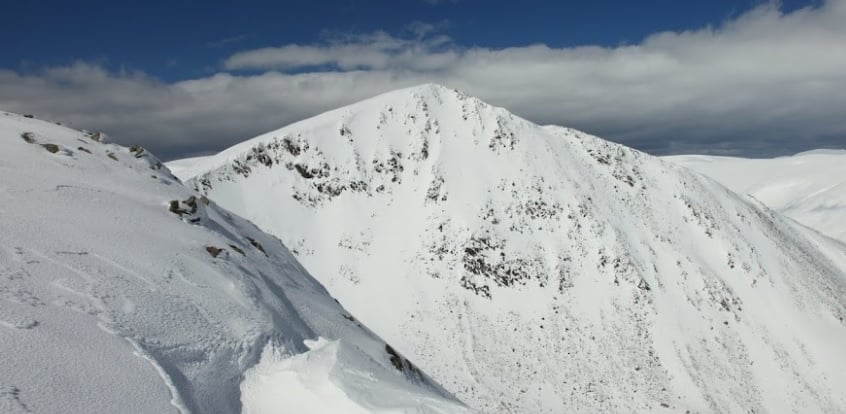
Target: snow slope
113, 298
187, 167
538, 269
809, 187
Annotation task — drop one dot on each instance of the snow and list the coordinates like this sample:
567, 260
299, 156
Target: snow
541, 269
299, 384
328, 379
111, 299
186, 167
809, 187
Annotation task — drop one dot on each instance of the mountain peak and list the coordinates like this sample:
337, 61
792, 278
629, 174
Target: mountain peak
428, 87
432, 94
386, 120
552, 270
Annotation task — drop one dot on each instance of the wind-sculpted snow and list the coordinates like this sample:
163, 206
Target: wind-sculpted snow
539, 269
123, 291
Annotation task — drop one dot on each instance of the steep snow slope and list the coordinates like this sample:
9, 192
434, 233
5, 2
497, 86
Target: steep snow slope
809, 187
538, 269
113, 298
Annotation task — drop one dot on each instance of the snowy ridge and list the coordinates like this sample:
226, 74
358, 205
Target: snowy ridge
539, 269
123, 291
809, 187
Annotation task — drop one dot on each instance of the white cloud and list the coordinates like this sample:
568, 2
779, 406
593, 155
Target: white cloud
375, 51
187, 117
764, 82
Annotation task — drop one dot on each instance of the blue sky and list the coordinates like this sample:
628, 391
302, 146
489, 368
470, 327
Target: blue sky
664, 76
176, 40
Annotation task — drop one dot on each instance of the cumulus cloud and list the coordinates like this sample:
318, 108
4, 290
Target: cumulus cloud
763, 83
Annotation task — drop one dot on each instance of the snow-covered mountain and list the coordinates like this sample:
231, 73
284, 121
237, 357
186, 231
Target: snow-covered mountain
539, 269
123, 291
809, 187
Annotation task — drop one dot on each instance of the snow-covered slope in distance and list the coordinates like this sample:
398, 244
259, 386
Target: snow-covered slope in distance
114, 298
539, 269
809, 187
187, 167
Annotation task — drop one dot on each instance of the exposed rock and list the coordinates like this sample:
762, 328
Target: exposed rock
29, 137
237, 249
257, 245
137, 150
214, 251
51, 148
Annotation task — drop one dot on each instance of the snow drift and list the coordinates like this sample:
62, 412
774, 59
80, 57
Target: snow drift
123, 291
539, 269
